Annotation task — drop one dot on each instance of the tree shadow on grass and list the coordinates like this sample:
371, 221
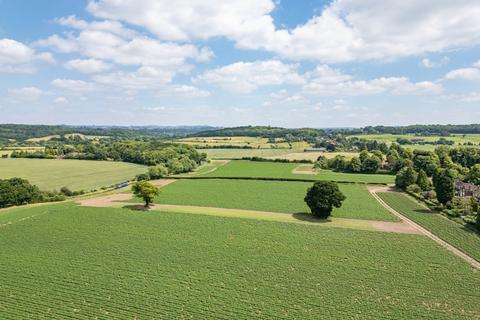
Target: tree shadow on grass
426, 211
136, 207
310, 218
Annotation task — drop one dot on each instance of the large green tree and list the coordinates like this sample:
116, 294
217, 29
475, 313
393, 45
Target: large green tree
146, 191
423, 182
405, 177
16, 191
443, 181
473, 176
322, 197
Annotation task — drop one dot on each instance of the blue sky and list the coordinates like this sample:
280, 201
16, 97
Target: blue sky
227, 63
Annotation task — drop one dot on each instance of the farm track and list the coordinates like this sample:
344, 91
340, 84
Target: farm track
371, 225
473, 262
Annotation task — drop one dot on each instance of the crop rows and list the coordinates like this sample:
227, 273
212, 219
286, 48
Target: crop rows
454, 233
85, 263
276, 196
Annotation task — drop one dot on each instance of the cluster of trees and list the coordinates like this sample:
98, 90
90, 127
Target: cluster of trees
440, 141
17, 191
365, 163
290, 135
22, 132
433, 129
177, 158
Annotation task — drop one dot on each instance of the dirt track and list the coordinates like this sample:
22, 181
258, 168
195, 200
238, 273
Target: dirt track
446, 245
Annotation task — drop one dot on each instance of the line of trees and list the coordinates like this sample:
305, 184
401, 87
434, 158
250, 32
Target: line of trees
17, 191
177, 158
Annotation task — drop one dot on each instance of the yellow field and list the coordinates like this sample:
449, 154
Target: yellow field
253, 142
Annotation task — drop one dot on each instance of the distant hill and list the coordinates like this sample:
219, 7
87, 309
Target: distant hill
259, 131
23, 132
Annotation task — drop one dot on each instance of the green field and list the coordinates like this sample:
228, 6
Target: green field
85, 175
388, 138
276, 196
62, 261
242, 168
450, 231
240, 153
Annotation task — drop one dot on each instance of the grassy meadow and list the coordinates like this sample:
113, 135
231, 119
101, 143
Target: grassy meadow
242, 168
63, 261
275, 196
50, 174
449, 231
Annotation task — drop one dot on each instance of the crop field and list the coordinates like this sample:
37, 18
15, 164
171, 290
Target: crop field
85, 175
450, 231
275, 196
313, 156
240, 153
458, 138
64, 261
253, 142
241, 168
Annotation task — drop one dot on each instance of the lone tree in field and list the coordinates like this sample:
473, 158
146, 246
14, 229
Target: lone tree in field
146, 191
322, 197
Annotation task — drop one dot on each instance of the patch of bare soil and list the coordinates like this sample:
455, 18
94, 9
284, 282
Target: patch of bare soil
396, 227
299, 171
105, 201
162, 182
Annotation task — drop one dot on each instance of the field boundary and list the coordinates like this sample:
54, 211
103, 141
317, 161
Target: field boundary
117, 201
472, 261
277, 179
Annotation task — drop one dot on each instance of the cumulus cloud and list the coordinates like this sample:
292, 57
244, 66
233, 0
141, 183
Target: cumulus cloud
74, 86
27, 93
87, 65
108, 43
471, 73
246, 77
345, 30
16, 57
326, 81
429, 64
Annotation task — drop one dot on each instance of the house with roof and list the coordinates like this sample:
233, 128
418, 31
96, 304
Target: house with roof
465, 189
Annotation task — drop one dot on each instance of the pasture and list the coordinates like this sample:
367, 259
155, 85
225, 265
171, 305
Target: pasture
64, 261
242, 168
50, 174
454, 233
274, 196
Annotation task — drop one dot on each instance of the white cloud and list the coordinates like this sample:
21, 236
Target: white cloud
464, 73
88, 65
326, 81
345, 30
110, 41
245, 77
27, 93
477, 64
61, 100
186, 91
74, 86
284, 97
472, 97
190, 20
429, 64
15, 57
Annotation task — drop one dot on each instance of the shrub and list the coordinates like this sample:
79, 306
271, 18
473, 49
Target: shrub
142, 177
66, 192
413, 188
